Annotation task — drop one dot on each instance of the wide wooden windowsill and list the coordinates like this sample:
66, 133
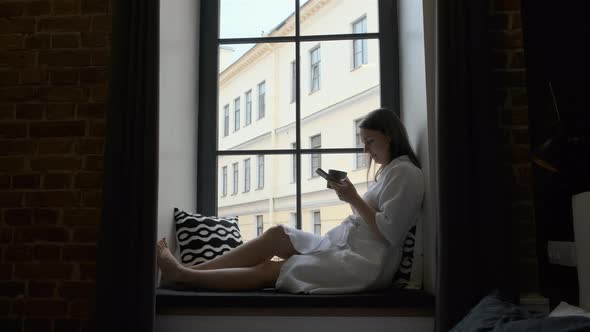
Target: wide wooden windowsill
269, 302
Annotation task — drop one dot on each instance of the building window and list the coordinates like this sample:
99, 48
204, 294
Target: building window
236, 114
259, 225
314, 55
260, 184
226, 120
361, 158
359, 46
293, 81
247, 175
316, 158
248, 108
261, 100
293, 164
293, 219
235, 184
317, 223
224, 181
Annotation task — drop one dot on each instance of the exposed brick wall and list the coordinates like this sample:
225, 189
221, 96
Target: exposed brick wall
54, 69
54, 62
510, 77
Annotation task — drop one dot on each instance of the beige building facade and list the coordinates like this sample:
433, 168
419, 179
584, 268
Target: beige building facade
339, 84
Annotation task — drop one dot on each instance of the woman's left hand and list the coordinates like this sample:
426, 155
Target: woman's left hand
345, 190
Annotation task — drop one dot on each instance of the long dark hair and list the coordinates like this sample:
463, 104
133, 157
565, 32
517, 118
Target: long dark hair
387, 122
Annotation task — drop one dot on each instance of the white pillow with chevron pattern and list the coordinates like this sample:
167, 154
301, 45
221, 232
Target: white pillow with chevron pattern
201, 238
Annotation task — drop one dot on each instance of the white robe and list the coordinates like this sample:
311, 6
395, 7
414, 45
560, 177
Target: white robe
350, 258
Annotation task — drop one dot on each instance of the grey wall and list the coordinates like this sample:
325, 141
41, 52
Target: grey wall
417, 115
179, 32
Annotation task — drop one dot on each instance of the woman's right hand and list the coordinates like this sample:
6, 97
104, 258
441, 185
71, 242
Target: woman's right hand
345, 190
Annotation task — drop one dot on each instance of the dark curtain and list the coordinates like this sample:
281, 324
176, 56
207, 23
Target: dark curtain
559, 126
474, 235
126, 261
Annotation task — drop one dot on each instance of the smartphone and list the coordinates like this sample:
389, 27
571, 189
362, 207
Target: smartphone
325, 175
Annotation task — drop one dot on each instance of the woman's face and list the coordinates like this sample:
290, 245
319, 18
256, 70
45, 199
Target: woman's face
377, 145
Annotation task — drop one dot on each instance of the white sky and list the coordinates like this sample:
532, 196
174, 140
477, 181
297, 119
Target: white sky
249, 18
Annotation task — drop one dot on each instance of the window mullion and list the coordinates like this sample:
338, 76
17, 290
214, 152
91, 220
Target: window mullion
291, 39
298, 114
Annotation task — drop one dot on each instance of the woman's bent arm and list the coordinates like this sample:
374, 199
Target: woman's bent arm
368, 215
347, 193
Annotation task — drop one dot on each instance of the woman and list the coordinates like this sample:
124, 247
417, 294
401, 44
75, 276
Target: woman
362, 253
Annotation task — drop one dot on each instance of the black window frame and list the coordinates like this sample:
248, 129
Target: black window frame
207, 122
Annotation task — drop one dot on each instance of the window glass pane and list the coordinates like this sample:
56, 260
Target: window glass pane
293, 164
248, 107
344, 95
360, 25
315, 69
259, 83
315, 158
293, 219
317, 223
223, 181
247, 174
359, 46
237, 117
237, 18
235, 178
317, 197
261, 98
225, 120
293, 80
336, 17
274, 202
260, 171
259, 225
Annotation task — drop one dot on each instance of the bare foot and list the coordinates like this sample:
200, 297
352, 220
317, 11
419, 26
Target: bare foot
172, 270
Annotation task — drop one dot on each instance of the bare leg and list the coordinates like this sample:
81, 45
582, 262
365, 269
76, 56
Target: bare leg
273, 242
241, 278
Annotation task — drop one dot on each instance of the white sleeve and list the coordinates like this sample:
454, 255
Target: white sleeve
400, 201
